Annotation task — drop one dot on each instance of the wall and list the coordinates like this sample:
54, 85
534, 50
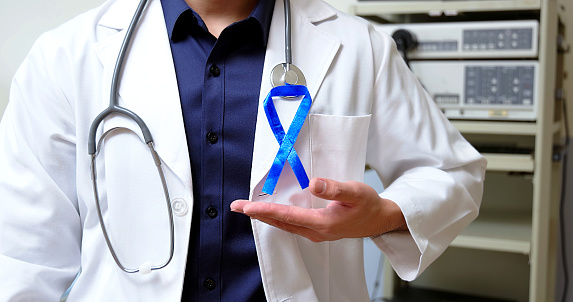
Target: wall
21, 22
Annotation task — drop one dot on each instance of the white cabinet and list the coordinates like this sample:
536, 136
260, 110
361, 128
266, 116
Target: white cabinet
509, 252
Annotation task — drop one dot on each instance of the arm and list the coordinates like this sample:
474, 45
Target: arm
428, 169
433, 178
40, 230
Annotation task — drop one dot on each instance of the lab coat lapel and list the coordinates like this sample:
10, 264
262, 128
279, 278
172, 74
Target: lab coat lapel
313, 51
148, 85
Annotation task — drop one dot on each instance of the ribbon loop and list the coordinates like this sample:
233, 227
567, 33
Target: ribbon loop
286, 141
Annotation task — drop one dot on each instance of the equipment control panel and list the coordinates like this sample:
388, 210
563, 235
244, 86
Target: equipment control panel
504, 90
447, 40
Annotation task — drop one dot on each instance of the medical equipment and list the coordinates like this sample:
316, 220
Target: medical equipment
475, 89
283, 74
465, 40
494, 90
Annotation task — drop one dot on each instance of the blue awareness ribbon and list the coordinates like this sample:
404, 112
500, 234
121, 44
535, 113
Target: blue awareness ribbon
286, 141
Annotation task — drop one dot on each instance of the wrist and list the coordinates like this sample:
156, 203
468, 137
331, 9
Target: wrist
392, 218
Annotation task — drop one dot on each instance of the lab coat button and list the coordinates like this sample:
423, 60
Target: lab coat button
179, 207
211, 212
209, 284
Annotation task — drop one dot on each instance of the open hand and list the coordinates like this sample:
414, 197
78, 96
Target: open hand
355, 211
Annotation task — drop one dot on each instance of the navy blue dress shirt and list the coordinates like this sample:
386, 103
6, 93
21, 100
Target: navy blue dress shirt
219, 82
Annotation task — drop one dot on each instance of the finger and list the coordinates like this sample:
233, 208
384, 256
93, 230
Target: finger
346, 192
238, 205
295, 229
293, 215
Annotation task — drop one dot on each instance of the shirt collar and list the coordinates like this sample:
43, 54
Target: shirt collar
174, 9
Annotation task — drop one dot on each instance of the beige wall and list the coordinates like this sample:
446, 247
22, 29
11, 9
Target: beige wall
21, 22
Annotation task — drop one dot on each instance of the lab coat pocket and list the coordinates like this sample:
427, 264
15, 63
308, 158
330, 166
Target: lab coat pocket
338, 148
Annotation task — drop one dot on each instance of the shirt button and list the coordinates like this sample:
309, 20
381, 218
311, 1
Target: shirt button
211, 212
179, 207
212, 137
214, 70
209, 284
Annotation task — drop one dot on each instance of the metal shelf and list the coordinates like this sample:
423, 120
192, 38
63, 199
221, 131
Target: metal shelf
501, 128
498, 232
509, 162
439, 7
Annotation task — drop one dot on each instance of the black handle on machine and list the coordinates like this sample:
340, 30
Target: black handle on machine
405, 41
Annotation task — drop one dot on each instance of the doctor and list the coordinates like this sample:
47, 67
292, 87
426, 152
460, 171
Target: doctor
197, 73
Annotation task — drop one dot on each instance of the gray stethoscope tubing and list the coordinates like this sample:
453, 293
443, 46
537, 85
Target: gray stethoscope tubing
287, 73
93, 150
288, 34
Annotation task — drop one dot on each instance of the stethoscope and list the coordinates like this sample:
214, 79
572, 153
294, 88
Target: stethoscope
282, 74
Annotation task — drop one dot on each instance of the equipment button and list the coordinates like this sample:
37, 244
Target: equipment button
179, 207
212, 137
214, 70
209, 284
211, 212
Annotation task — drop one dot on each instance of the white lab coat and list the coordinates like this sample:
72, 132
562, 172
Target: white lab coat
367, 108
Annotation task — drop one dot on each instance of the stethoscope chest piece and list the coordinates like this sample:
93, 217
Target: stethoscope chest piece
285, 73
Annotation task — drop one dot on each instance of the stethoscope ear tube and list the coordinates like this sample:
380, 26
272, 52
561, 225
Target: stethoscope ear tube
114, 91
288, 34
120, 110
93, 149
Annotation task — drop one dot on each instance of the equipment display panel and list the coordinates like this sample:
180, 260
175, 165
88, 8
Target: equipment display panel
504, 90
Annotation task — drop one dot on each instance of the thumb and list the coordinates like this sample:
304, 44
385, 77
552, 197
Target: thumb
347, 192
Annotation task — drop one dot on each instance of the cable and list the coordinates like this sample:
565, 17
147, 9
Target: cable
563, 237
405, 42
562, 205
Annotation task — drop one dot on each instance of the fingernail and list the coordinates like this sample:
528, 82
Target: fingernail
319, 186
246, 212
235, 209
